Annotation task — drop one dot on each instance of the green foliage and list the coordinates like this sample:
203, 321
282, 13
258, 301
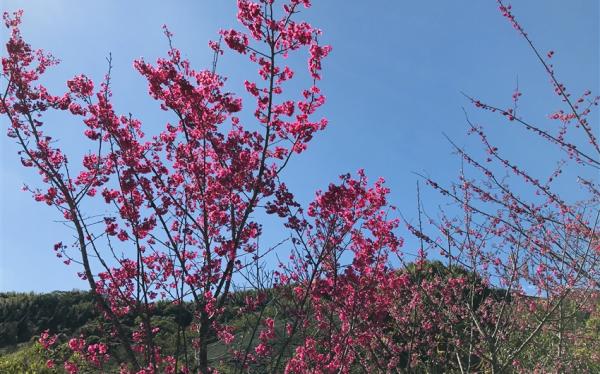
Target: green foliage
23, 315
28, 359
570, 341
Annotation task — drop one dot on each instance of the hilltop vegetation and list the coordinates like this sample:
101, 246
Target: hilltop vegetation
69, 314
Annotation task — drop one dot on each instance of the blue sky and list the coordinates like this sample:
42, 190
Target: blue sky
392, 82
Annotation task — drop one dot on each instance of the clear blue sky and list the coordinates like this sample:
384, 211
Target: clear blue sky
393, 84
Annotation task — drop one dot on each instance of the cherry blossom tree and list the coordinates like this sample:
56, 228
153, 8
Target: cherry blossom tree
182, 199
518, 232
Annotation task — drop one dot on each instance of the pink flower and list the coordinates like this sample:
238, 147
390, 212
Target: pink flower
76, 344
47, 340
235, 40
262, 349
71, 368
81, 86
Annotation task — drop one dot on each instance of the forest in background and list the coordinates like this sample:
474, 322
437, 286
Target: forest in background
25, 316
